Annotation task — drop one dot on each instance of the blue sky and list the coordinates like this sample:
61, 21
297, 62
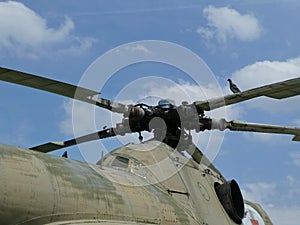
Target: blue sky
252, 42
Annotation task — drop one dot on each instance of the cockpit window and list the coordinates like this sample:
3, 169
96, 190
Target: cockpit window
120, 161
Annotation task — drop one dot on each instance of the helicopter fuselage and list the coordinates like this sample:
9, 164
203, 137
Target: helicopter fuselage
149, 183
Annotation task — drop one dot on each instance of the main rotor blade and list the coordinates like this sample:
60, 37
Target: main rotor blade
236, 125
278, 90
52, 146
60, 88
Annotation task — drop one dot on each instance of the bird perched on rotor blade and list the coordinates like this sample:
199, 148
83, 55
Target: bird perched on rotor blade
233, 86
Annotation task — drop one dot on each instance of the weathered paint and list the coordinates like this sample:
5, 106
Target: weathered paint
37, 188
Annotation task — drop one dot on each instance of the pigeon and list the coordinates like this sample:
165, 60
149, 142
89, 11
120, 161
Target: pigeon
233, 87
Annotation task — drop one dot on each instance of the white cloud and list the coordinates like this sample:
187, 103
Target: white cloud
66, 125
286, 213
225, 23
263, 73
206, 33
82, 118
24, 33
138, 48
260, 192
280, 201
267, 72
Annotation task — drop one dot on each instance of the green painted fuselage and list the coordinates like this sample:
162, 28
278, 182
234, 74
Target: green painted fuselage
148, 183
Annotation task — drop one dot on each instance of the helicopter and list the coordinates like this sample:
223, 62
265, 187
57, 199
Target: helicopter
152, 182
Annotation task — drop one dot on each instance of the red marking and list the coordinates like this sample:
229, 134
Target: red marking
254, 222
